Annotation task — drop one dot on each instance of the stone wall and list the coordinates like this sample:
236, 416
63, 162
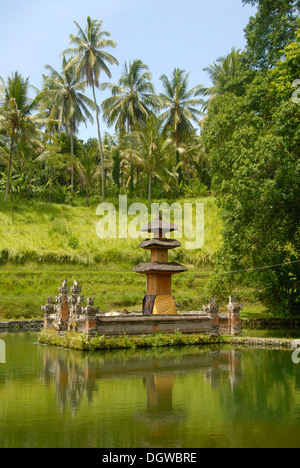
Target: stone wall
68, 313
225, 323
21, 325
141, 325
271, 323
264, 343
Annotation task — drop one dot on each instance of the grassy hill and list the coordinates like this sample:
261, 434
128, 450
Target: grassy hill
42, 244
59, 233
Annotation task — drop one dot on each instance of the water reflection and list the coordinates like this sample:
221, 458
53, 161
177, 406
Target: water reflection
159, 393
76, 375
73, 378
181, 397
79, 376
225, 364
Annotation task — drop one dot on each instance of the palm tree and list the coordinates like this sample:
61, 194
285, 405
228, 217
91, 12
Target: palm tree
223, 69
122, 150
88, 171
90, 59
63, 95
133, 98
54, 163
195, 159
16, 119
153, 149
180, 104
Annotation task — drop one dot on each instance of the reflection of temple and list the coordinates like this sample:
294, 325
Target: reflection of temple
226, 365
72, 379
164, 418
160, 417
75, 376
159, 392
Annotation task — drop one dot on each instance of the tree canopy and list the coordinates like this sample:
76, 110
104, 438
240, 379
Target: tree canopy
270, 30
253, 142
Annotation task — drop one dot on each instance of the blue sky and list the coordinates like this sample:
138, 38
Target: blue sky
164, 34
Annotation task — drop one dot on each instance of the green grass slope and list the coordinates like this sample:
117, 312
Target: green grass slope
59, 233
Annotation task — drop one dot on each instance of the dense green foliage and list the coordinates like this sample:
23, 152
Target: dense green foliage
272, 28
252, 136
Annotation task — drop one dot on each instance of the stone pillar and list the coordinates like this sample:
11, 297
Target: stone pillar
69, 314
78, 309
213, 310
90, 317
234, 320
62, 307
75, 301
48, 309
76, 312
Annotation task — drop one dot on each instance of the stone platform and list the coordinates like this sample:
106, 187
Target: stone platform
69, 313
143, 325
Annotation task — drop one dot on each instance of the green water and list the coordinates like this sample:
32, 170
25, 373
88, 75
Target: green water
277, 333
186, 398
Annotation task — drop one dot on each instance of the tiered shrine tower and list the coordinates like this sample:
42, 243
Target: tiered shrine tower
159, 299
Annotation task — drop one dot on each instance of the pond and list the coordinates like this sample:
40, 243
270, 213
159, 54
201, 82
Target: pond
272, 333
164, 398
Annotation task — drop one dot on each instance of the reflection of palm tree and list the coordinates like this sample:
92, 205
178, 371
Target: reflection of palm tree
64, 94
132, 100
90, 60
16, 119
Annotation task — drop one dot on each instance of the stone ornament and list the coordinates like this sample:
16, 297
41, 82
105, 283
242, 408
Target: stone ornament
233, 306
212, 307
58, 324
49, 308
69, 311
76, 289
77, 307
64, 289
90, 309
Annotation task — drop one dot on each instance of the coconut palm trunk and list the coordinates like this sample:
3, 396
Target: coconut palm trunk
17, 119
72, 156
63, 93
100, 143
9, 164
87, 196
90, 60
150, 188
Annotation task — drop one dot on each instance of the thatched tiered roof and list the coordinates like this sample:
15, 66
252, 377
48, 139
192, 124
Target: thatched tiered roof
160, 244
157, 267
159, 227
